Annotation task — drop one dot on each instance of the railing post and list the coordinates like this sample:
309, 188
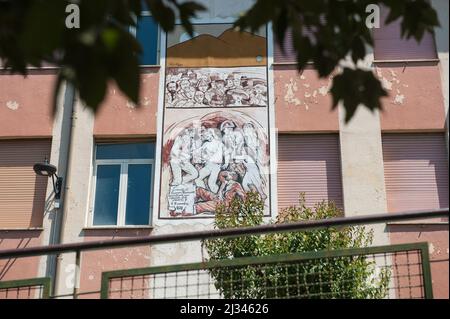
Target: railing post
426, 269
77, 273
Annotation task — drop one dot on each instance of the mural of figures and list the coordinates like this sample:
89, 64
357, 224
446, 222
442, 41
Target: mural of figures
216, 87
215, 126
213, 159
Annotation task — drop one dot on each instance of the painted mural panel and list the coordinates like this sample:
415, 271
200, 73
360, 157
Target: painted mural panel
216, 45
215, 144
216, 87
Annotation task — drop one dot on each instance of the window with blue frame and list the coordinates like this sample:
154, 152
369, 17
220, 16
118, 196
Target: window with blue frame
147, 34
123, 175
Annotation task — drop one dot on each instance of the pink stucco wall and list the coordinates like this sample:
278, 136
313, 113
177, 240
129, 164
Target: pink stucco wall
19, 268
415, 100
118, 116
26, 104
95, 262
437, 237
302, 101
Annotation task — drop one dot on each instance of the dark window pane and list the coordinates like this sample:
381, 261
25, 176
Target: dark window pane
126, 151
147, 35
107, 195
138, 194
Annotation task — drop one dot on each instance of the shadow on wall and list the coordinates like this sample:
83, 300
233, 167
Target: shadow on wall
22, 242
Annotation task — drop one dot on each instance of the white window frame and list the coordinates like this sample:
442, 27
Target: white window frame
123, 189
132, 30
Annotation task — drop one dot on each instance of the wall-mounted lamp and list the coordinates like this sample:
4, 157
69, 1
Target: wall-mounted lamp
49, 170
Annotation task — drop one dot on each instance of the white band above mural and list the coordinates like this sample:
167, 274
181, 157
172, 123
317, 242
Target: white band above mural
215, 144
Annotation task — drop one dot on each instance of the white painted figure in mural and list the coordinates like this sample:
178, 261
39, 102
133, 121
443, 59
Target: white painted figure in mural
237, 81
186, 93
229, 85
171, 92
233, 142
212, 156
180, 158
199, 99
252, 180
258, 95
217, 93
230, 188
238, 97
212, 165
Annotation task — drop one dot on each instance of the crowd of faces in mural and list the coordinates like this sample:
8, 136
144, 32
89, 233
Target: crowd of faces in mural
187, 88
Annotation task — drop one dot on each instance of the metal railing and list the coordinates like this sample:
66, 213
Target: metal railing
406, 267
398, 271
35, 288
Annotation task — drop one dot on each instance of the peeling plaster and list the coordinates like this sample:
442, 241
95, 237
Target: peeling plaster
146, 101
391, 82
310, 93
291, 88
399, 99
12, 105
323, 90
387, 85
131, 105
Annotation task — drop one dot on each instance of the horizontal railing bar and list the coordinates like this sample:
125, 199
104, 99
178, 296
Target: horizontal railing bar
271, 259
221, 233
78, 294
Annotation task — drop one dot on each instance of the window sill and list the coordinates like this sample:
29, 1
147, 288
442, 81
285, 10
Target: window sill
53, 68
21, 229
420, 222
149, 66
290, 63
118, 228
406, 61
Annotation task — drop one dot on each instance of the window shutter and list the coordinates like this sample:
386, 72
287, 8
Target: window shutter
416, 171
288, 56
389, 45
309, 164
22, 192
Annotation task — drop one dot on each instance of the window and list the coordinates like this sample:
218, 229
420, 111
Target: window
309, 164
389, 45
22, 192
123, 175
147, 34
287, 54
415, 171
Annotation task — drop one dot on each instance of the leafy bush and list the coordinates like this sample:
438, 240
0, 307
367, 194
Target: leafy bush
338, 277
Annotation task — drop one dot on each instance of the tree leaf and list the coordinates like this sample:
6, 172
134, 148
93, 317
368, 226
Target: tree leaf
355, 88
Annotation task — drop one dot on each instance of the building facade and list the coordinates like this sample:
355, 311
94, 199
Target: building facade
132, 170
